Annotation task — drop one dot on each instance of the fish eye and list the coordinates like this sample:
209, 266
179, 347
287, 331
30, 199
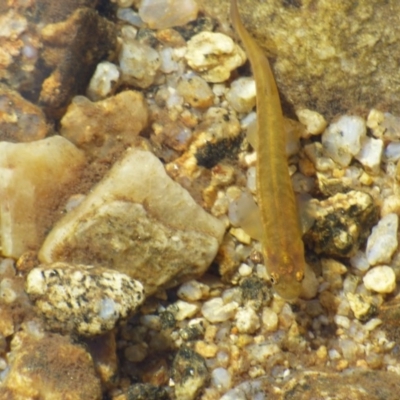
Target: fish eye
274, 278
299, 276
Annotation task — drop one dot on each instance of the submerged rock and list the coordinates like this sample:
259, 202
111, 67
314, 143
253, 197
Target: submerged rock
82, 299
139, 222
34, 178
49, 366
190, 374
342, 223
103, 127
20, 120
161, 14
342, 60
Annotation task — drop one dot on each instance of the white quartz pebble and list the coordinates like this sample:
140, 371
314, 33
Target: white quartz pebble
380, 279
270, 320
359, 261
192, 291
247, 321
185, 310
242, 94
139, 62
342, 139
215, 310
392, 151
104, 81
383, 240
234, 394
221, 378
370, 154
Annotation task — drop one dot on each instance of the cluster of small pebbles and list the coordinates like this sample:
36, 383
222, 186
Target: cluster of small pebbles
129, 268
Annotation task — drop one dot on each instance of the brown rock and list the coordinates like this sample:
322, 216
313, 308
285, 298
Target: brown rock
72, 49
20, 120
48, 366
102, 127
329, 57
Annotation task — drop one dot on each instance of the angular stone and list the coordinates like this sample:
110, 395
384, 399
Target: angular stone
34, 178
20, 120
100, 128
139, 222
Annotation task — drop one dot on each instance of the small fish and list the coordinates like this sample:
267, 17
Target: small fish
282, 244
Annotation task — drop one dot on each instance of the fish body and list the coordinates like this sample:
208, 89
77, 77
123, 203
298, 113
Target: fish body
282, 243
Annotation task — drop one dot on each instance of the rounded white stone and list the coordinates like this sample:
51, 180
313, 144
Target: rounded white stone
104, 81
383, 240
242, 94
342, 139
370, 155
215, 310
247, 321
380, 279
221, 378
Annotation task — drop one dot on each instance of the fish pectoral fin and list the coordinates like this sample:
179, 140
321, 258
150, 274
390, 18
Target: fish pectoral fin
244, 212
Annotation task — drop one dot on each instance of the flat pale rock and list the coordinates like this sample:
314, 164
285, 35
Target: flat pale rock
34, 178
139, 222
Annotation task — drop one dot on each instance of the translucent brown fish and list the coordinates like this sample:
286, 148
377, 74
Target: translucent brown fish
282, 244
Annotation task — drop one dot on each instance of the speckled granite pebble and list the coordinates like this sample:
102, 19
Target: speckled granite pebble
81, 299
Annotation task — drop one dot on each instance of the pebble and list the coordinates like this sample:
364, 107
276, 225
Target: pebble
221, 378
270, 320
154, 223
139, 62
381, 279
242, 94
196, 91
20, 120
234, 394
374, 121
34, 178
314, 122
81, 299
162, 14
193, 291
215, 310
168, 63
342, 223
130, 16
392, 151
361, 305
104, 81
189, 374
245, 270
206, 350
342, 139
360, 261
185, 310
214, 55
56, 362
261, 352
247, 320
88, 133
382, 242
370, 154
390, 204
